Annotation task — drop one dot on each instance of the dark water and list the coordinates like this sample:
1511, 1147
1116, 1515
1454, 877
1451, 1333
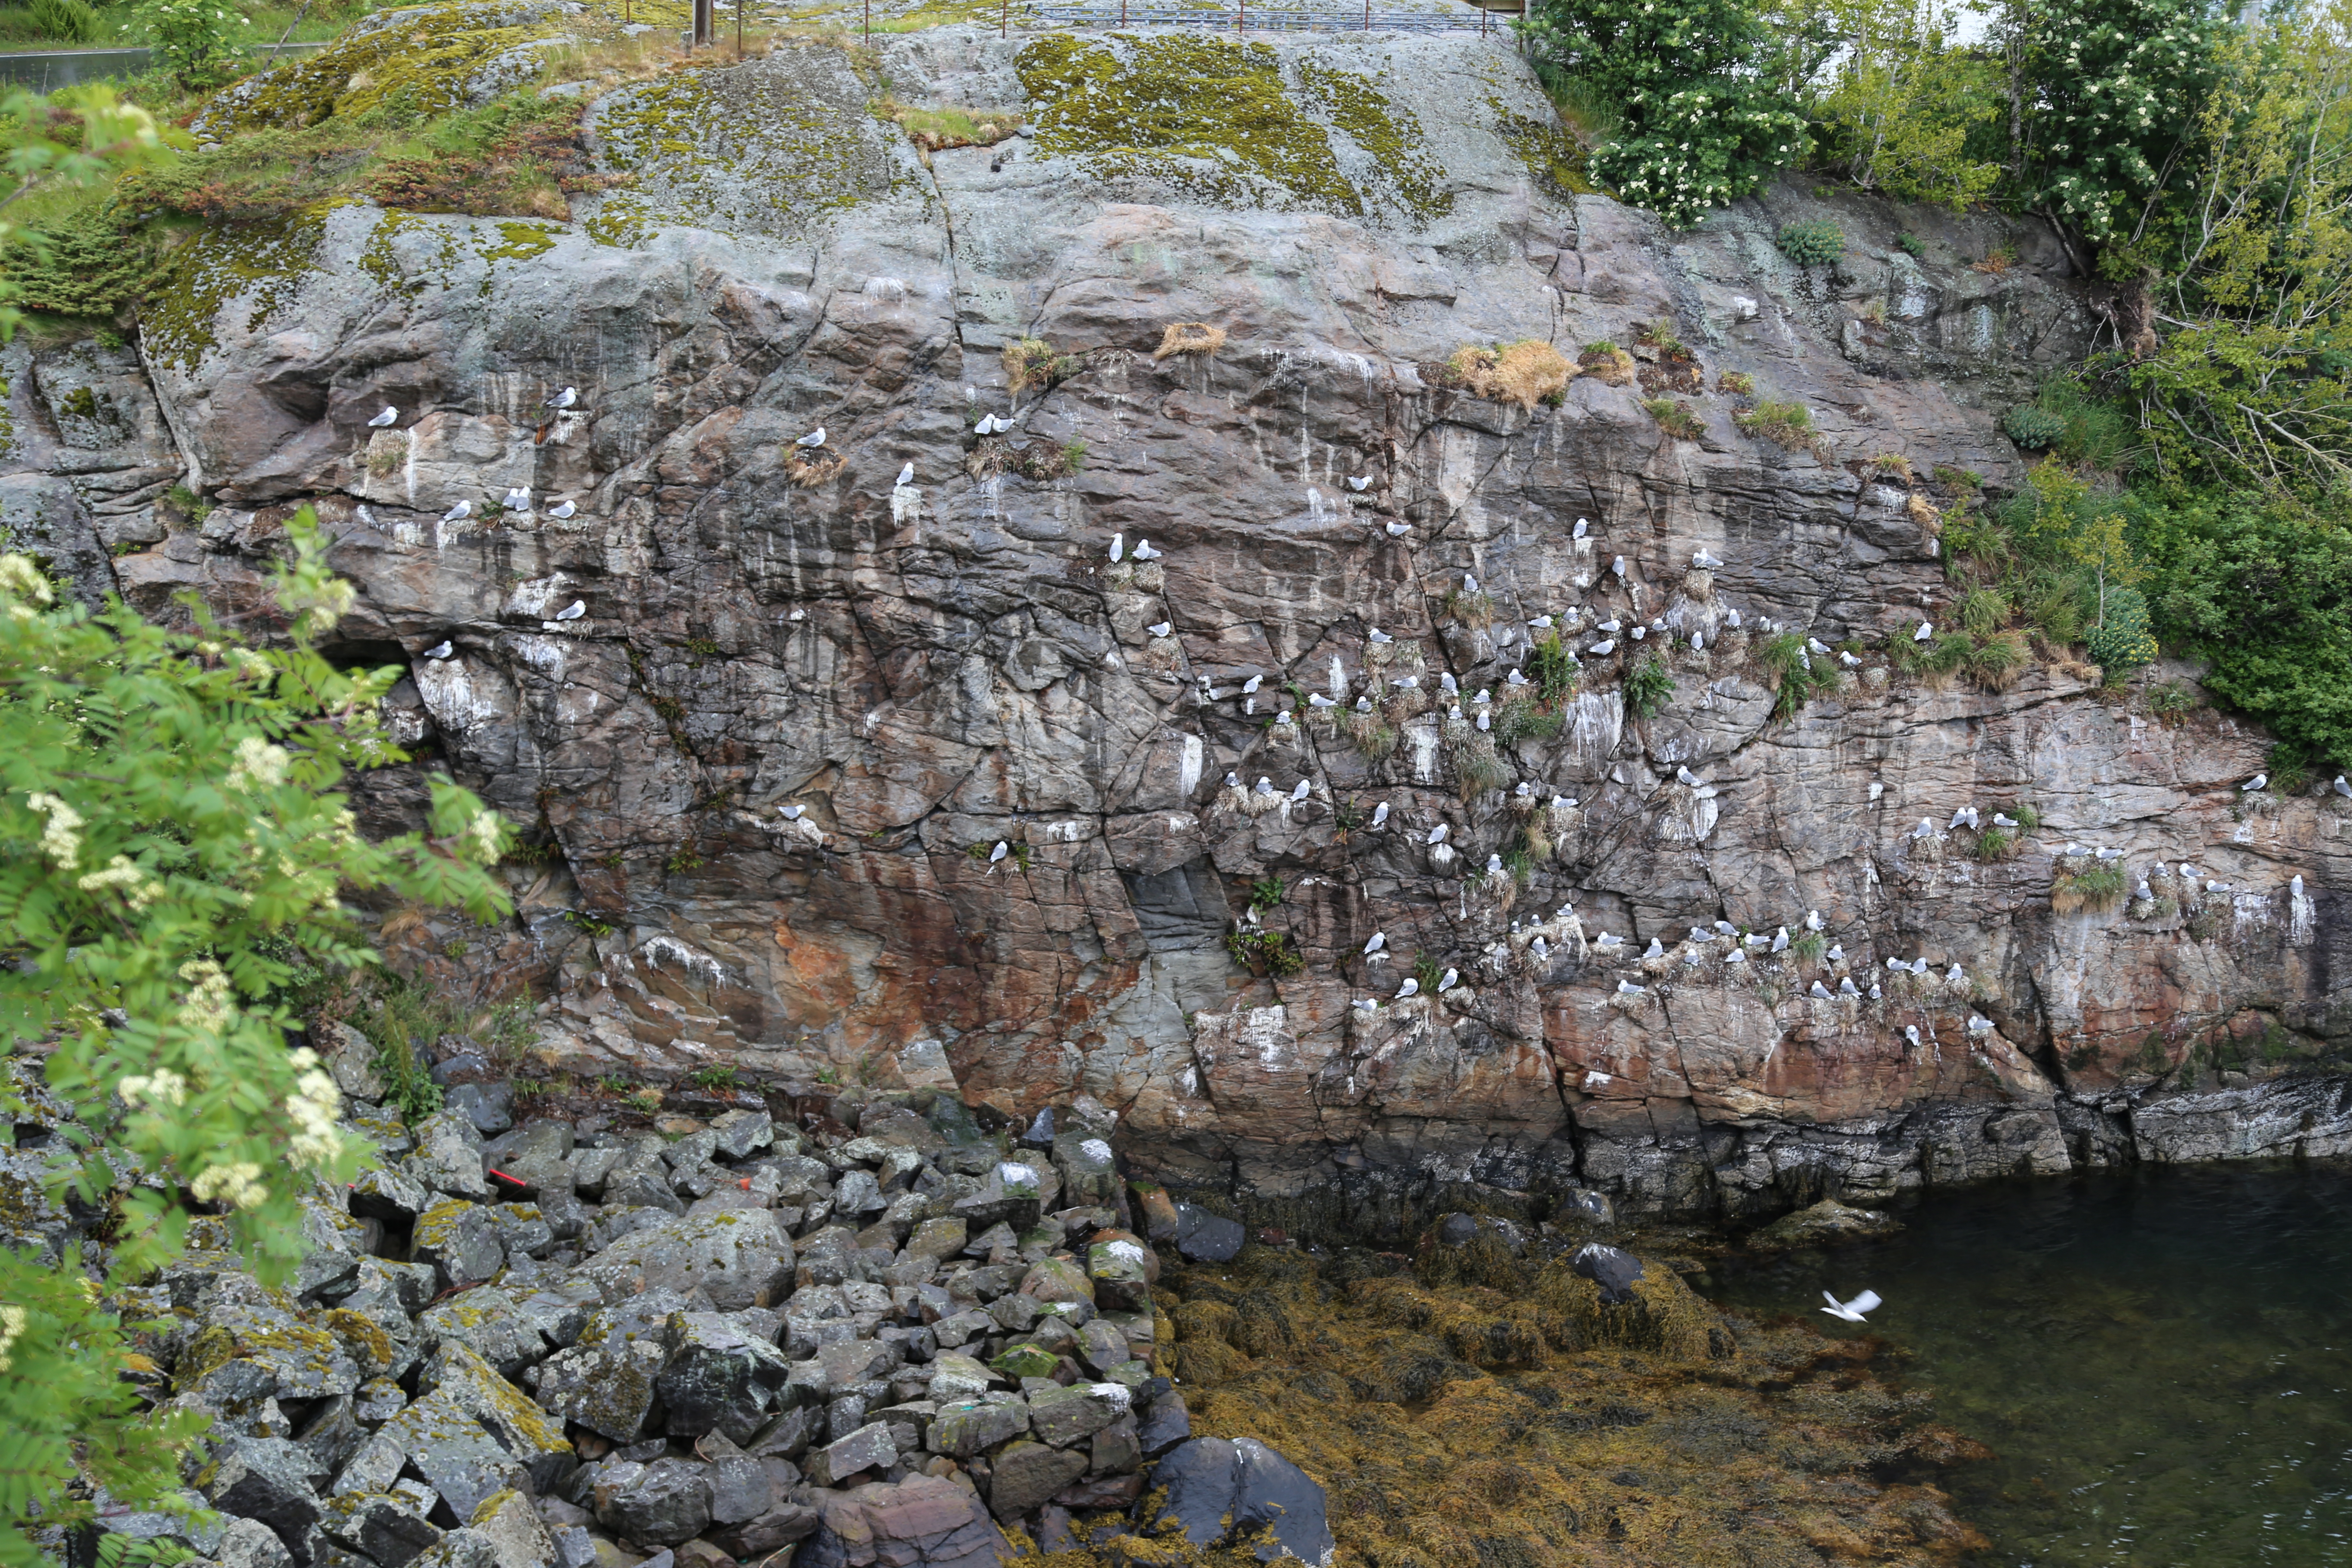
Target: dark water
2160, 1361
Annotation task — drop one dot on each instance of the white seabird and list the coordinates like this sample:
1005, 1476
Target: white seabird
1602, 648
1447, 981
563, 399
1656, 950
1627, 988
458, 513
573, 611
1317, 700
1161, 628
1578, 530
1359, 482
1851, 1311
906, 475
1379, 940
1846, 988
1380, 814
1298, 791
1926, 630
1250, 685
562, 510
441, 651
1821, 991
1117, 548
1143, 550
1979, 1024
1780, 939
1705, 562
813, 440
1411, 987
2259, 781
518, 499
1813, 919
1264, 785
1437, 833
1397, 529
1375, 635
390, 416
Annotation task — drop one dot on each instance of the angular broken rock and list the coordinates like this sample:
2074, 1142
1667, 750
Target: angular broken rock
1063, 1415
665, 1503
387, 1530
739, 1259
922, 1520
487, 1323
719, 1378
870, 1447
460, 1240
1027, 1475
965, 1429
263, 1479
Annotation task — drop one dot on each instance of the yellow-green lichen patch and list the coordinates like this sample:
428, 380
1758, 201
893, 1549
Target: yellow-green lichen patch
521, 242
1553, 158
1231, 123
261, 263
769, 147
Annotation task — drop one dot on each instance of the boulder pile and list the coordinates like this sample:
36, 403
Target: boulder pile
868, 1333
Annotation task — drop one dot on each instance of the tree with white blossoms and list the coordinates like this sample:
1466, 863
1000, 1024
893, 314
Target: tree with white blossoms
171, 845
1701, 126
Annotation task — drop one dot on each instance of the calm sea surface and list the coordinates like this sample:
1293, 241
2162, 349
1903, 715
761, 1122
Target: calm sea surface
2160, 1360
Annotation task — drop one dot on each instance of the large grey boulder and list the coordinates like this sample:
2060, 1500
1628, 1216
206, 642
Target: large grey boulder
386, 1528
265, 1479
489, 1322
1220, 1490
460, 1240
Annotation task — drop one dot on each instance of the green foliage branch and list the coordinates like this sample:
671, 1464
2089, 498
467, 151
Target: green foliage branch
172, 853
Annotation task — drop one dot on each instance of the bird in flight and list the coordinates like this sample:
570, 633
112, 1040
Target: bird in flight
1851, 1311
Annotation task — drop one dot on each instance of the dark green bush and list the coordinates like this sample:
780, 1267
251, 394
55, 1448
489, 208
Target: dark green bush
2122, 643
68, 21
1814, 243
2033, 428
1647, 689
2262, 590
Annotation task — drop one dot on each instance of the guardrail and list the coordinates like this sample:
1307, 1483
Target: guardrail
50, 69
1244, 17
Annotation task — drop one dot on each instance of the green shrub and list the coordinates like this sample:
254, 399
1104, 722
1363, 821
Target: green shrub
1524, 719
2032, 428
2121, 642
712, 1078
2262, 591
1674, 417
1784, 658
1984, 611
1816, 244
1647, 688
1553, 670
1267, 892
1995, 843
69, 21
1908, 244
1268, 955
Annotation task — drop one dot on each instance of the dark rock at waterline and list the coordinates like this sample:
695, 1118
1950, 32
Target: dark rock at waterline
1611, 1269
1825, 1224
1222, 1491
1205, 1237
1458, 1229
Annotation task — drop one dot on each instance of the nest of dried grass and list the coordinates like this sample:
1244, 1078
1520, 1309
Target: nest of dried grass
1525, 372
1189, 338
809, 469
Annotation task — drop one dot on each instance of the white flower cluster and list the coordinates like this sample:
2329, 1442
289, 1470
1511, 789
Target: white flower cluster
210, 1005
258, 765
162, 1087
237, 1185
61, 839
12, 1318
140, 890
314, 1106
484, 831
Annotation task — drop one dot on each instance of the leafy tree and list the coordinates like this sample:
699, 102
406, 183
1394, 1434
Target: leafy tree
2113, 90
1905, 110
2262, 590
171, 845
1702, 125
2243, 377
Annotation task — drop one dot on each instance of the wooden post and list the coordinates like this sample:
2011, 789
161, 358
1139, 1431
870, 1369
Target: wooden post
1368, 16
1004, 21
703, 28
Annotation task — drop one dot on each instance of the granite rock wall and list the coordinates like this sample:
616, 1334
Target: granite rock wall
800, 705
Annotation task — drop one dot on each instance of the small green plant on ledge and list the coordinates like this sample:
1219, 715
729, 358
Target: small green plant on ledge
712, 1078
1995, 843
1647, 689
1267, 892
1812, 244
1786, 425
2092, 888
1268, 955
1674, 417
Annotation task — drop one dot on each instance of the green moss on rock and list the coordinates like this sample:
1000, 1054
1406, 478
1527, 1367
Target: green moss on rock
261, 263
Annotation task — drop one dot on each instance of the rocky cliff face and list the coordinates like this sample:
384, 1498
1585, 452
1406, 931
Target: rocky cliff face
801, 706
